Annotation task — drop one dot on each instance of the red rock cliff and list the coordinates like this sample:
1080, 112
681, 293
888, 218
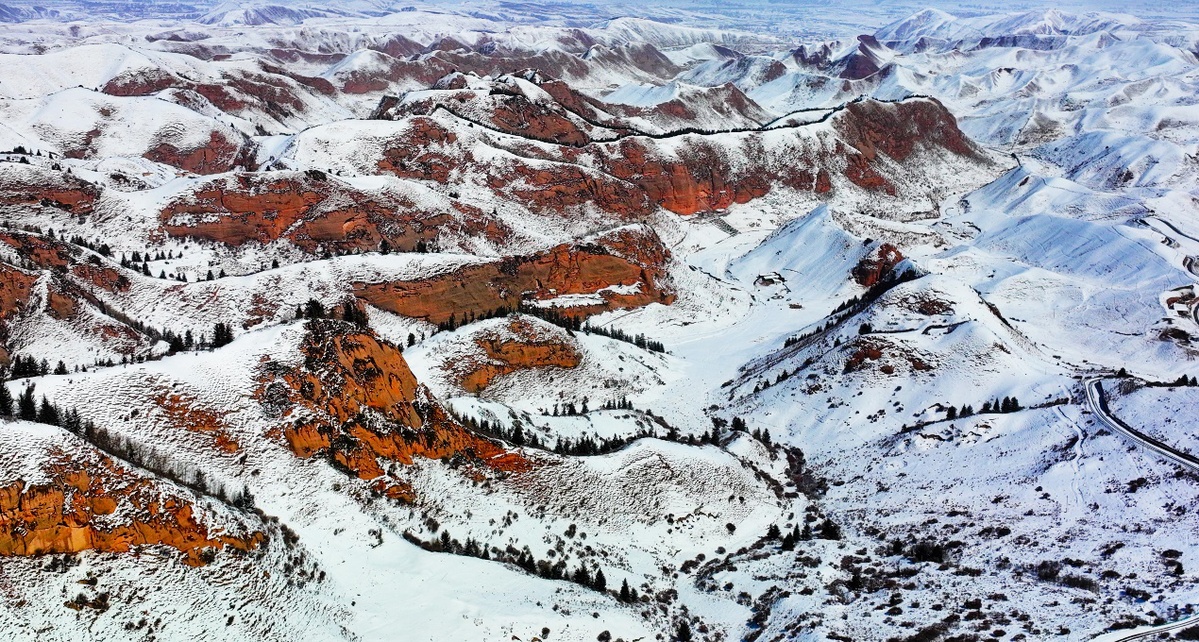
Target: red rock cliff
94, 503
627, 257
355, 401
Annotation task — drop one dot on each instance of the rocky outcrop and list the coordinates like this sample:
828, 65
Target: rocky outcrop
185, 411
93, 503
354, 401
899, 129
33, 185
238, 91
15, 287
558, 186
216, 156
872, 268
502, 107
45, 253
632, 258
865, 61
871, 144
519, 346
315, 212
424, 152
697, 179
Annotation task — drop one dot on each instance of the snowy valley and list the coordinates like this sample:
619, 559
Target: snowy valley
544, 321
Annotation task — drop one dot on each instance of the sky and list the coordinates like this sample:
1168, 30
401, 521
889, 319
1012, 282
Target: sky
784, 17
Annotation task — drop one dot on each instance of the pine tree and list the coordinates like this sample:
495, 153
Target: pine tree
47, 413
27, 407
789, 540
222, 335
683, 634
952, 413
314, 309
61, 368
599, 582
5, 401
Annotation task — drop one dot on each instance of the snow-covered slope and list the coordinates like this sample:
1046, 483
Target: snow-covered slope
559, 321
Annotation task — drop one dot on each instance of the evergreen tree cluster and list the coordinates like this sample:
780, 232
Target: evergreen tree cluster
827, 530
28, 408
853, 306
617, 404
583, 446
222, 335
782, 376
575, 324
454, 322
26, 366
638, 340
522, 558
351, 312
1008, 404
1180, 382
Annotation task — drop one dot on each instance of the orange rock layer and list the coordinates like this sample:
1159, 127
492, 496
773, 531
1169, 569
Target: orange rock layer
71, 514
263, 208
628, 257
31, 185
695, 174
519, 350
357, 403
871, 269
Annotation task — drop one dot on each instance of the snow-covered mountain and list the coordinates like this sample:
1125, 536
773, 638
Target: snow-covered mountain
474, 320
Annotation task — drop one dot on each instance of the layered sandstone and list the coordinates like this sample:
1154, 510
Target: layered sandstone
16, 285
873, 267
216, 155
313, 211
93, 503
355, 401
34, 185
625, 269
519, 346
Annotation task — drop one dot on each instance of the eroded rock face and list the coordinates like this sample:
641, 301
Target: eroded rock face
632, 258
871, 269
355, 401
311, 210
237, 91
519, 347
32, 185
95, 503
503, 109
898, 129
218, 155
697, 179
628, 175
15, 288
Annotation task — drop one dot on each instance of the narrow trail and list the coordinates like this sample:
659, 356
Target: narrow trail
1079, 453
